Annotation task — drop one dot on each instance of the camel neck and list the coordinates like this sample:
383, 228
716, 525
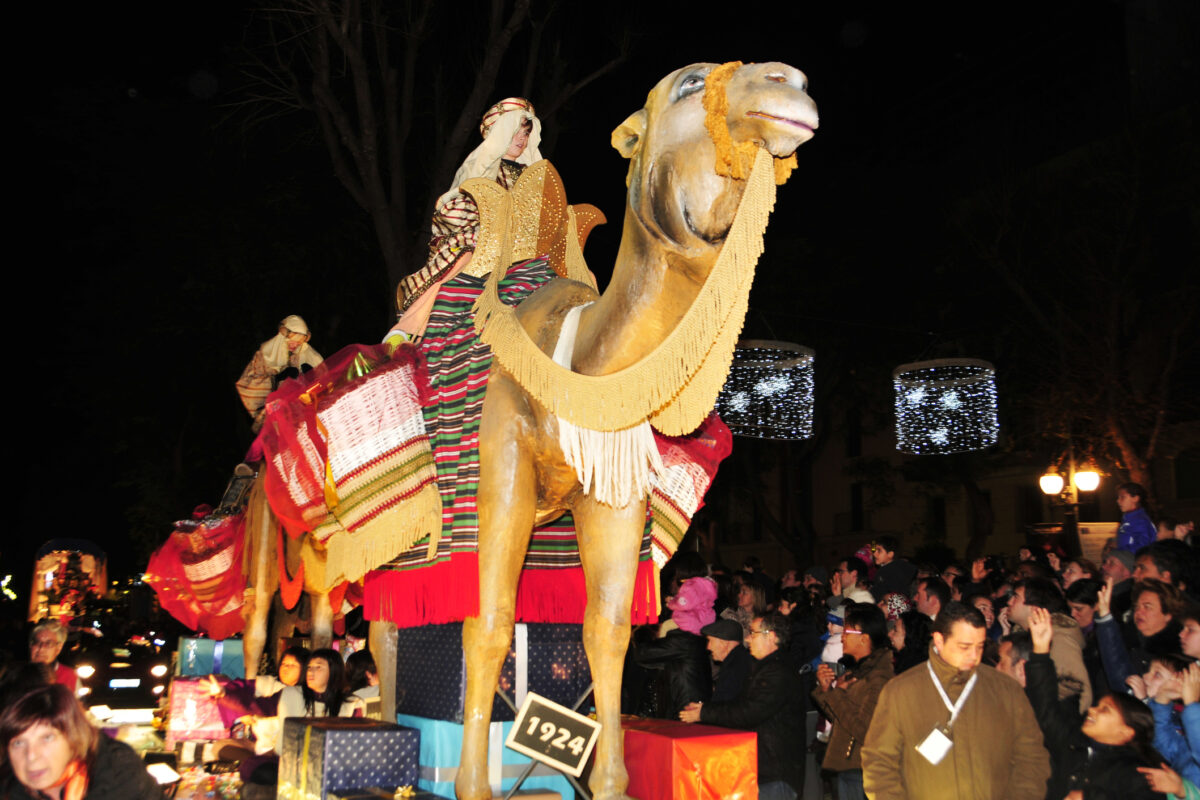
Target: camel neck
650, 291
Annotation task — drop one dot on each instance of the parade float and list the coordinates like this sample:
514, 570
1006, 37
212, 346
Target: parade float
530, 452
67, 574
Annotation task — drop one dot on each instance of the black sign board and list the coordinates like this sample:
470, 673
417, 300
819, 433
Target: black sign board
553, 734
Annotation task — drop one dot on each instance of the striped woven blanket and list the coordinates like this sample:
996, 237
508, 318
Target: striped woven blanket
348, 459
420, 587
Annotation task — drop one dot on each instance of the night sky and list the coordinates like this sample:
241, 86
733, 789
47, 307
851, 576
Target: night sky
162, 242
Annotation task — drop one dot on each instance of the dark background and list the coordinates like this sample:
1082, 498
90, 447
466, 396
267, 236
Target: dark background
156, 241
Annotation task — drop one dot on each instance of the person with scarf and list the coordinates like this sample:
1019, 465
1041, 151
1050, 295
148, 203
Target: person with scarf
49, 750
511, 136
287, 349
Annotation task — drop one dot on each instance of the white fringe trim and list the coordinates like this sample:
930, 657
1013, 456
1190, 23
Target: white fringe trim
614, 467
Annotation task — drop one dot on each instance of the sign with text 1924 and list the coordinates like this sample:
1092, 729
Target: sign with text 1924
553, 734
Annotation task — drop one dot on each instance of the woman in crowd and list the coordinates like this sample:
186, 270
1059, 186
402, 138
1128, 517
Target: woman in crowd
988, 609
362, 676
1078, 569
751, 602
1101, 757
48, 749
1154, 606
256, 705
240, 698
323, 693
1081, 599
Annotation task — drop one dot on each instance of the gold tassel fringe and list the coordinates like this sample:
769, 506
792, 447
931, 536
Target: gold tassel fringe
676, 385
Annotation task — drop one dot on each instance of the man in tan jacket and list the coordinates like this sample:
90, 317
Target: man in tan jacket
953, 728
1067, 650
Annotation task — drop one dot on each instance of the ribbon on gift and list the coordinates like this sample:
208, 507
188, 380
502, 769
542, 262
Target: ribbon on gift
304, 760
191, 653
521, 645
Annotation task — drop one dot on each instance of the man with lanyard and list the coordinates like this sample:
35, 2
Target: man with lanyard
954, 728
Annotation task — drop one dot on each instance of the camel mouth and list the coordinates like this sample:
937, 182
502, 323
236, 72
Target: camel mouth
785, 120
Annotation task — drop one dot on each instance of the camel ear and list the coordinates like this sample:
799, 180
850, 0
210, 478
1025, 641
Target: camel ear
627, 138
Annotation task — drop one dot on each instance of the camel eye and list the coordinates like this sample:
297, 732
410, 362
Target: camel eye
690, 85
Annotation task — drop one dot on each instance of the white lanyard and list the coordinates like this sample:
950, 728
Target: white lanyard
962, 698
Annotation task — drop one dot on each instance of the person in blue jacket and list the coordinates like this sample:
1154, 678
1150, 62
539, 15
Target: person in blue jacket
1137, 530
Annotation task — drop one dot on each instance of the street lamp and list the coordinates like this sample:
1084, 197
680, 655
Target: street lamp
1065, 493
1051, 483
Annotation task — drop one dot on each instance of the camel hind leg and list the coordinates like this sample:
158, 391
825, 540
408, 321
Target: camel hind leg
609, 540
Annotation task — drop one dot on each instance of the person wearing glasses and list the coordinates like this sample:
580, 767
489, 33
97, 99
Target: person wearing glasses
849, 700
849, 583
772, 704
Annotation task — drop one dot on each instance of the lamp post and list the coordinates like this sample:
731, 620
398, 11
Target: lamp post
1065, 493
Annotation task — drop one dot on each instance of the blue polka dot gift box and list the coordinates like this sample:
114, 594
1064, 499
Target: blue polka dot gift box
331, 754
431, 675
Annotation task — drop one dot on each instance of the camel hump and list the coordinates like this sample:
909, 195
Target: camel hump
530, 220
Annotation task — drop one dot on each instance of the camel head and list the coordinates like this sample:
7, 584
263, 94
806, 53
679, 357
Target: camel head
675, 191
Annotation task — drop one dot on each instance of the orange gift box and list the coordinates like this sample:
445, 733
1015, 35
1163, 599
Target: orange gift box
670, 760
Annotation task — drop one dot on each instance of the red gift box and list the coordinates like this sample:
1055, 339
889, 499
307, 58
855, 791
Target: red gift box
670, 760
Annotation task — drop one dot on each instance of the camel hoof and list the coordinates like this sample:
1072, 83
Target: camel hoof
472, 784
609, 787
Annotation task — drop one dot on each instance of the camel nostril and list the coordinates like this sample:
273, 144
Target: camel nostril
775, 77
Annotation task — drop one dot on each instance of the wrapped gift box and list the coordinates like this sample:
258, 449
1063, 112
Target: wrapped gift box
431, 675
670, 760
441, 748
325, 754
192, 715
210, 657
378, 792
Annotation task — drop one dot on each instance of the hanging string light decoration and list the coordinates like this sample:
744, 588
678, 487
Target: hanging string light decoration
945, 406
769, 391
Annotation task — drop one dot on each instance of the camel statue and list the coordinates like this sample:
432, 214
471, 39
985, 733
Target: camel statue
678, 216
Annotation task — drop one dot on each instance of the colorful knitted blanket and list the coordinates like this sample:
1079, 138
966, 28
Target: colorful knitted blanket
423, 587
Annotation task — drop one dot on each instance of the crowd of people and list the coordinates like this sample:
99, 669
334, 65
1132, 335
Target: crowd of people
49, 748
1035, 675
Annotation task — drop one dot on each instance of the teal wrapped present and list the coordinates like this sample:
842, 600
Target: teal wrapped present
441, 748
210, 657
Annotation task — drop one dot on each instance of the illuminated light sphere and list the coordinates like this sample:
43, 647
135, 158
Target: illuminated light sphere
1087, 480
769, 391
1051, 483
945, 406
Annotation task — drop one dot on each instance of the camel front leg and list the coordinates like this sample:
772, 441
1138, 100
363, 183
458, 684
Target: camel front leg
609, 540
383, 644
507, 502
322, 620
264, 576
